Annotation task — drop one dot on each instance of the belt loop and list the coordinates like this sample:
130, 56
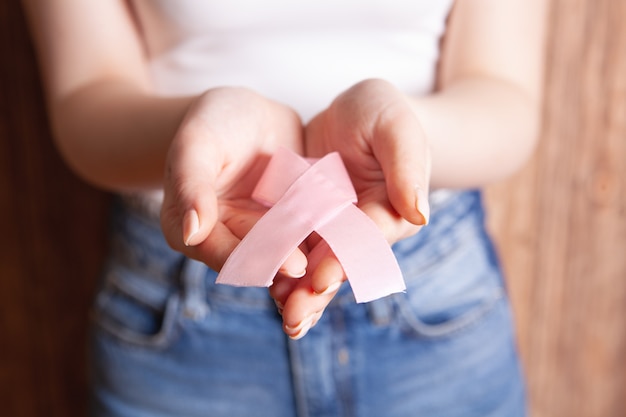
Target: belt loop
193, 275
380, 311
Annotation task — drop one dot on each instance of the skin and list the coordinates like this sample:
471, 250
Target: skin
478, 126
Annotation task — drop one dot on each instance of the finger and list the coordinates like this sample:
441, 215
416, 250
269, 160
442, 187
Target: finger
303, 308
190, 199
187, 220
392, 226
216, 248
224, 238
310, 296
221, 242
327, 273
243, 221
304, 327
401, 147
326, 276
281, 289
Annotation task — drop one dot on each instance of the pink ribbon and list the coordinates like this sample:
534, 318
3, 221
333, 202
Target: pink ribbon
308, 196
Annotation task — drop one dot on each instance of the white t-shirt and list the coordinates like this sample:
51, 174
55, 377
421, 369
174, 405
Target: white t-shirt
302, 53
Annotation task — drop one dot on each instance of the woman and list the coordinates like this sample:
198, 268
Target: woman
177, 106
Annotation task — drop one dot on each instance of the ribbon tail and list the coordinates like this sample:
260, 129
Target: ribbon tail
353, 238
258, 257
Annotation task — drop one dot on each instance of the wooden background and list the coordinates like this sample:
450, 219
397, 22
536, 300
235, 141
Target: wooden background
52, 233
560, 225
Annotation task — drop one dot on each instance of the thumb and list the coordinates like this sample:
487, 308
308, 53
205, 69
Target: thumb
189, 210
401, 147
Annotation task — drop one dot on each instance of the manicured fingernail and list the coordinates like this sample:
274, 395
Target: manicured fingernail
422, 205
191, 226
330, 289
296, 330
304, 329
301, 333
296, 275
299, 326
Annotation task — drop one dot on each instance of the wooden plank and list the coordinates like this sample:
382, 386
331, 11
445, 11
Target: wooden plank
52, 242
561, 223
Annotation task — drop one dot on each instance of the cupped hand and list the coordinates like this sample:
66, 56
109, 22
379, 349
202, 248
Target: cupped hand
212, 166
374, 128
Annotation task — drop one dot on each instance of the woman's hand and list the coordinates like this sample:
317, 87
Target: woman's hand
373, 127
213, 164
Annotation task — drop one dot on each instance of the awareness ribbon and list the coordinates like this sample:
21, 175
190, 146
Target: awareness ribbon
305, 196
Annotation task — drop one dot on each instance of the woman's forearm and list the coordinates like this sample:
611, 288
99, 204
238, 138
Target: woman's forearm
115, 135
106, 123
480, 131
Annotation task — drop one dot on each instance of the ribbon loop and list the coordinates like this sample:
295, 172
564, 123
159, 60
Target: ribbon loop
306, 196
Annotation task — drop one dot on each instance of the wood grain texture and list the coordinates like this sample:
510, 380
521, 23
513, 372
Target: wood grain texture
561, 223
52, 238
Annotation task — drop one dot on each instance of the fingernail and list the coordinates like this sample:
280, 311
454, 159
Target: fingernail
297, 275
191, 226
330, 289
306, 326
299, 330
422, 205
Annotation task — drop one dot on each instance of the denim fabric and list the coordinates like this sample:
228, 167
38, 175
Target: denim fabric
167, 341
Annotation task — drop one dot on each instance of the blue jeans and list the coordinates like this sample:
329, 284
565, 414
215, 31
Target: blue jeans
167, 341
